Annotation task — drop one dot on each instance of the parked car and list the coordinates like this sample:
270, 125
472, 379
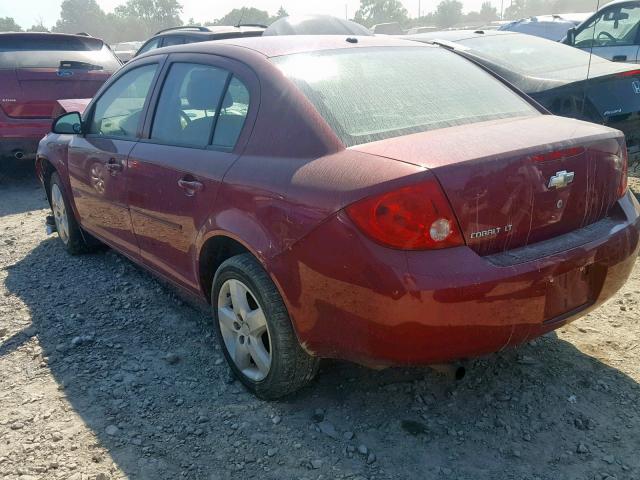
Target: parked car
315, 25
612, 32
565, 80
37, 69
389, 28
552, 27
125, 51
326, 204
193, 34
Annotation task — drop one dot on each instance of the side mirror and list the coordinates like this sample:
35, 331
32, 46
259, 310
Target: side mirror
570, 39
69, 123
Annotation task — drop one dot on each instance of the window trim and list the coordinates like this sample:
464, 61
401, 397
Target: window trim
235, 69
159, 61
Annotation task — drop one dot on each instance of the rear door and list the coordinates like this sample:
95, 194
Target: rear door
199, 126
613, 33
97, 161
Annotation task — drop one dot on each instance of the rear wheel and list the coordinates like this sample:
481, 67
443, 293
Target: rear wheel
255, 331
72, 237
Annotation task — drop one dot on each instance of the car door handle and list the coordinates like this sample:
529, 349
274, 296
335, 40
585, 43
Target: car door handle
619, 58
113, 166
190, 186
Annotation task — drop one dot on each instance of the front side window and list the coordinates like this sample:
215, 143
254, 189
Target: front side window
369, 94
117, 112
195, 100
613, 26
150, 45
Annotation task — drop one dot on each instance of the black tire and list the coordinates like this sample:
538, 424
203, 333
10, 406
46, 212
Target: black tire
75, 241
291, 367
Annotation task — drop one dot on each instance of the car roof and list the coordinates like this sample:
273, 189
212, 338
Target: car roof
49, 35
457, 35
209, 30
276, 46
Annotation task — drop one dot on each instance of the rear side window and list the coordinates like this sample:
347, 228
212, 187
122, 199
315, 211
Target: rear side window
173, 40
200, 105
41, 51
369, 94
117, 112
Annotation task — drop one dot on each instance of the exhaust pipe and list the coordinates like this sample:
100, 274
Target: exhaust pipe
453, 371
18, 154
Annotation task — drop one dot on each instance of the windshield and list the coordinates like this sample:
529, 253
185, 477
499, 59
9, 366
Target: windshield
531, 55
370, 94
23, 51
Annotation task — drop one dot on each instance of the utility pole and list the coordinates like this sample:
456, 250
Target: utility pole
346, 15
501, 9
419, 9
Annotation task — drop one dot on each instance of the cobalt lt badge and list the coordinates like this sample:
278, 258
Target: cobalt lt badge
561, 179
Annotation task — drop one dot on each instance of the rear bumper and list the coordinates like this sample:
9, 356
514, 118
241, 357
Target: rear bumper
18, 134
350, 298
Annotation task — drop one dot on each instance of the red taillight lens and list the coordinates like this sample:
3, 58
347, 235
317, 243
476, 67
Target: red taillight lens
417, 217
623, 167
556, 154
629, 73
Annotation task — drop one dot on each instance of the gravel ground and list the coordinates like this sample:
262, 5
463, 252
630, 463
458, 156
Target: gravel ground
107, 374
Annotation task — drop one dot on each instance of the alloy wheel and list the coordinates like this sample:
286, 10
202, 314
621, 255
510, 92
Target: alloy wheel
244, 330
60, 213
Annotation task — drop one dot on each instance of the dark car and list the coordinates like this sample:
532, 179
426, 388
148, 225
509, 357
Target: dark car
315, 25
194, 34
566, 80
327, 204
36, 70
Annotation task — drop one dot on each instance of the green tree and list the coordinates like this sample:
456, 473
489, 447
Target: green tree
281, 13
488, 12
527, 8
8, 24
373, 12
448, 13
146, 17
243, 15
82, 16
38, 27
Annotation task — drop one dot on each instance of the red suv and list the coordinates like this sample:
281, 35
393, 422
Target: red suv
362, 198
36, 70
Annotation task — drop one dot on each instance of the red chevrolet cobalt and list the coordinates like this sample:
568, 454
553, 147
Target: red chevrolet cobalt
361, 198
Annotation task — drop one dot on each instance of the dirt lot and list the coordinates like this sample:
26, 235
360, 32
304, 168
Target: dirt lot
107, 374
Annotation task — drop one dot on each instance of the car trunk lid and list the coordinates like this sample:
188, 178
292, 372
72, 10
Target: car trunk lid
516, 182
33, 92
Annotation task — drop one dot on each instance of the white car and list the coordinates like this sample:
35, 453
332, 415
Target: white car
126, 50
612, 32
551, 27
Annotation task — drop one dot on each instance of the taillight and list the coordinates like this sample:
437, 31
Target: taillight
623, 166
557, 154
416, 217
629, 73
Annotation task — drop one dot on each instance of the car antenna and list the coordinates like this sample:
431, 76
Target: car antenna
586, 82
244, 9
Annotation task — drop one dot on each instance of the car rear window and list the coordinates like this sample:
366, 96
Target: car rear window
25, 51
532, 55
369, 94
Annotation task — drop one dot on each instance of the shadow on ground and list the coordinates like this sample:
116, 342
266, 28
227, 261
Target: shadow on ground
106, 328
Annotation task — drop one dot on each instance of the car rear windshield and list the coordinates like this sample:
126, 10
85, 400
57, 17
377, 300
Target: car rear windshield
369, 94
533, 56
42, 51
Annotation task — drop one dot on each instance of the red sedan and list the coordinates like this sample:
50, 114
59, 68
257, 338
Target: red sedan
360, 198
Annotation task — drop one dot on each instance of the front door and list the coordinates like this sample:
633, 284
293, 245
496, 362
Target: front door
97, 161
613, 33
192, 139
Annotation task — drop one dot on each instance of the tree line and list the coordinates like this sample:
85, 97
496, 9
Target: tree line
140, 19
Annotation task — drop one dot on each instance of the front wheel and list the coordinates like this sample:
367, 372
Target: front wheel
72, 237
255, 331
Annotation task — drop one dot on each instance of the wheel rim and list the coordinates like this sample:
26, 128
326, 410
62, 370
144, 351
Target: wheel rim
244, 330
60, 213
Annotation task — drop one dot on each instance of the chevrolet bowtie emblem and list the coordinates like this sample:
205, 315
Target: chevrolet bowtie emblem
561, 179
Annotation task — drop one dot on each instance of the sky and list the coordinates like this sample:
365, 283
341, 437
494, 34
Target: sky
29, 12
